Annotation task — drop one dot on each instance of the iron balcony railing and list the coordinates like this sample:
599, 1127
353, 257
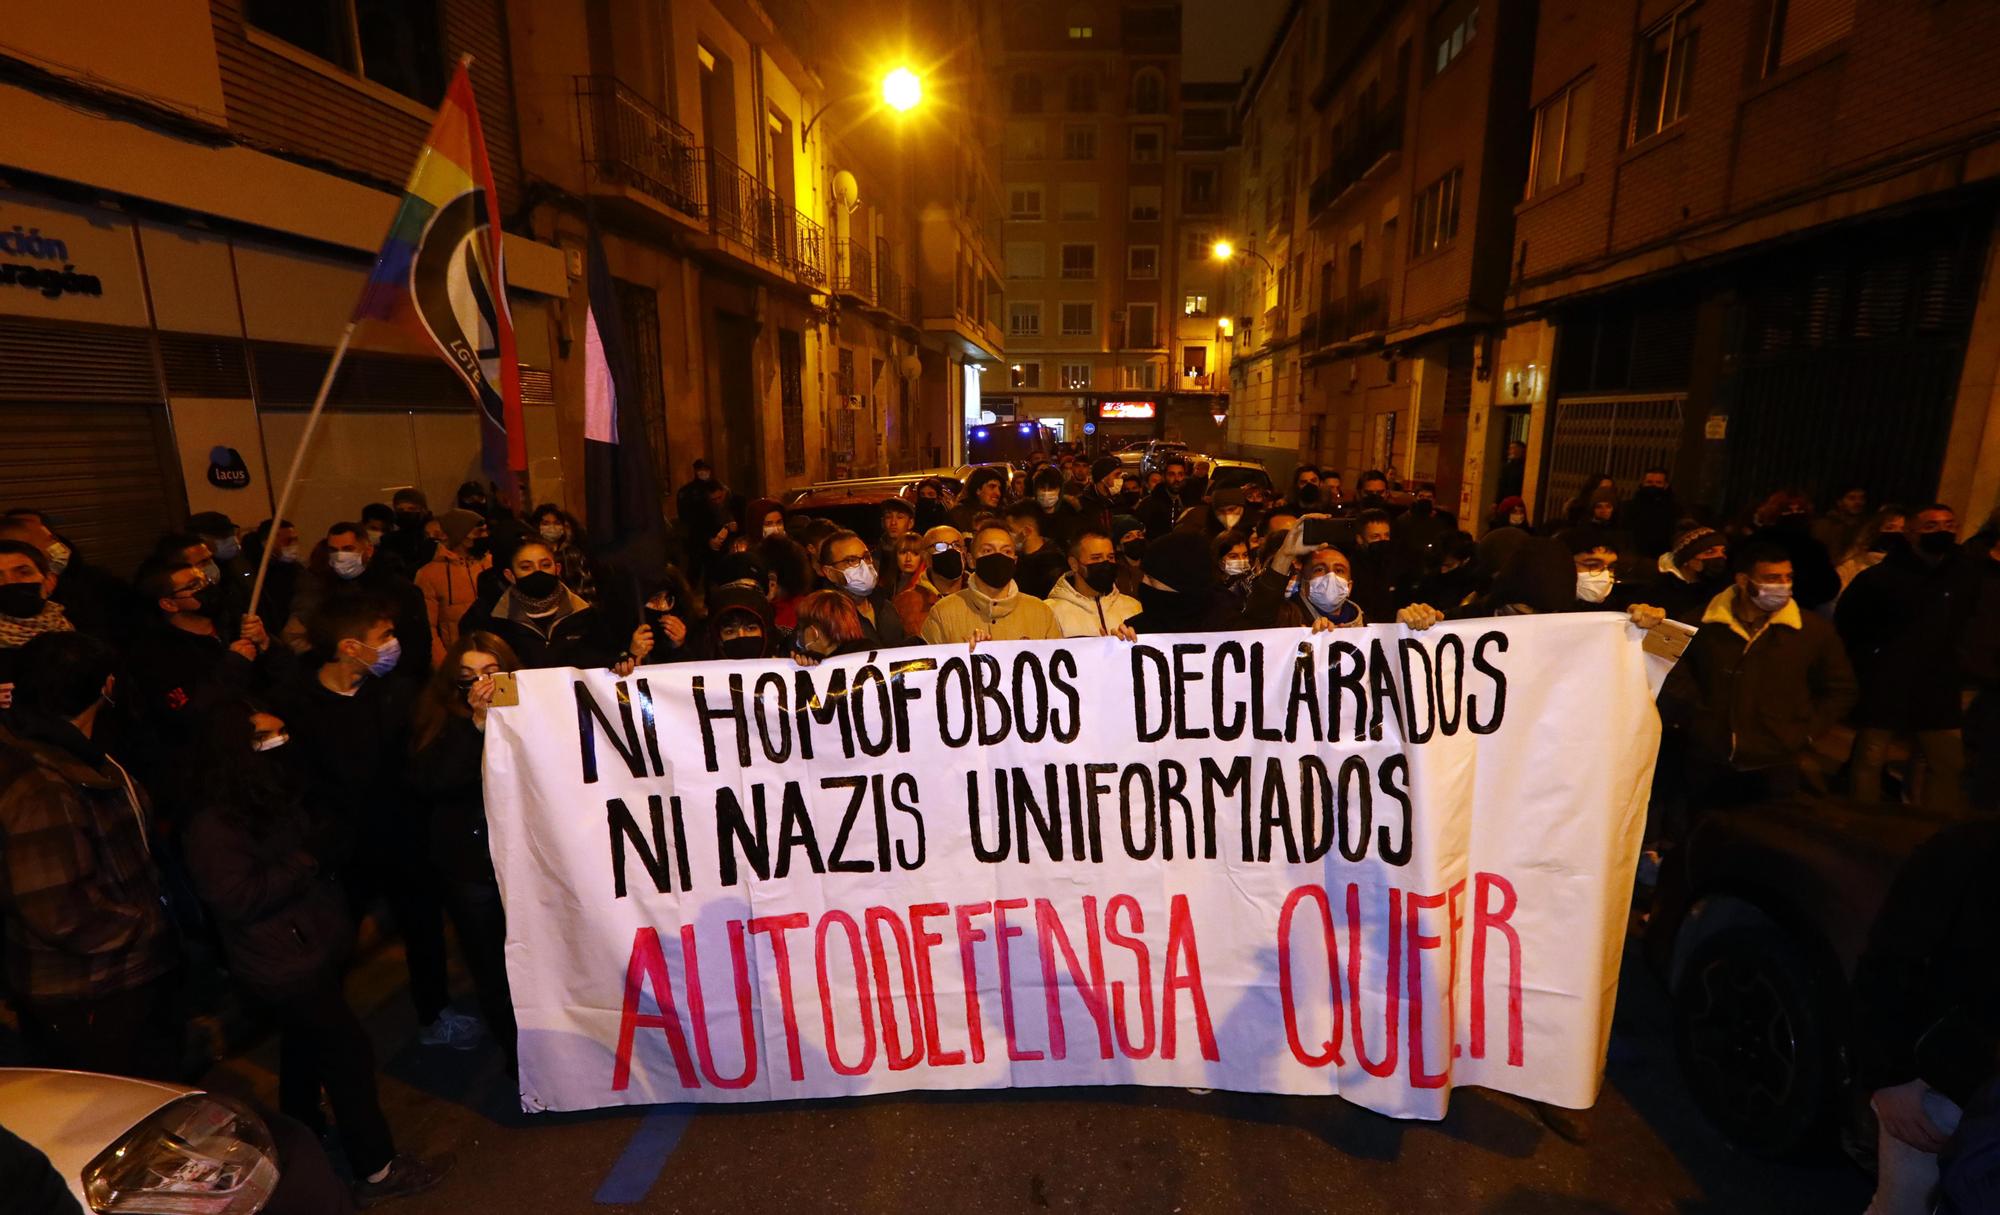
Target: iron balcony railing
853, 270
628, 141
889, 290
743, 210
1367, 309
1376, 138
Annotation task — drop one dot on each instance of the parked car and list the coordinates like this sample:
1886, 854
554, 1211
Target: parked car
1758, 925
135, 1145
854, 506
1013, 443
1224, 473
1154, 459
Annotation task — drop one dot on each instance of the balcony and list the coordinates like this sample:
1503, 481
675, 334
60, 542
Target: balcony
743, 211
1367, 310
628, 142
1362, 157
853, 271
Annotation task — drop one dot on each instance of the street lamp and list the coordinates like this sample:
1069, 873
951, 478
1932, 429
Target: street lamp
1223, 251
902, 90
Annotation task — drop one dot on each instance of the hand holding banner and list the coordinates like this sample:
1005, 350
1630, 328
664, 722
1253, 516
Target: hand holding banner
1369, 862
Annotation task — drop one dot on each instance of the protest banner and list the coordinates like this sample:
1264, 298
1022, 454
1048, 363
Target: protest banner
1372, 862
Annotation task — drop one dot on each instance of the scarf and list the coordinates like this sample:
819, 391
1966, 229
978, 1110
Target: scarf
18, 631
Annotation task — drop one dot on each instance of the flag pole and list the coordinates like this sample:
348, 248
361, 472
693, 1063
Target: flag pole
298, 462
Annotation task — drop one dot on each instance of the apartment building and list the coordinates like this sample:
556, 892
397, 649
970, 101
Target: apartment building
1203, 183
207, 182
1093, 155
1755, 247
1378, 188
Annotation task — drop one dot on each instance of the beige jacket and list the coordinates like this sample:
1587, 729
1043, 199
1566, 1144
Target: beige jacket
1012, 617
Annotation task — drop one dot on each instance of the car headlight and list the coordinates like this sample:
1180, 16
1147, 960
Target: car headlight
197, 1155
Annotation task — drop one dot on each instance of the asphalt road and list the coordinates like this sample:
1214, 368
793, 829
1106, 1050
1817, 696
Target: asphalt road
1096, 1150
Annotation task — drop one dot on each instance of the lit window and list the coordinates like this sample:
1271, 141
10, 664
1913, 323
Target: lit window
1562, 133
1436, 216
1080, 33
1194, 305
1025, 375
1452, 30
1075, 376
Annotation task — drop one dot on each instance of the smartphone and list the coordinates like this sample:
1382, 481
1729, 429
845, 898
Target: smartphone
1317, 532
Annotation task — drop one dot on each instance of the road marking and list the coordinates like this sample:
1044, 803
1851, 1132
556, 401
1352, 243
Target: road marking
639, 1165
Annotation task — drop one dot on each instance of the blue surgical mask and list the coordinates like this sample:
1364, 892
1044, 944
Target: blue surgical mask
227, 548
385, 657
347, 563
1769, 597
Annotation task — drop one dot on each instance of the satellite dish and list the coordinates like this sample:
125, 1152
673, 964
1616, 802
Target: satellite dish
846, 191
911, 366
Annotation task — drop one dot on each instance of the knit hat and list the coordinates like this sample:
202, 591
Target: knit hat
458, 524
412, 495
1121, 524
738, 567
211, 523
1227, 497
1180, 560
1694, 542
1104, 466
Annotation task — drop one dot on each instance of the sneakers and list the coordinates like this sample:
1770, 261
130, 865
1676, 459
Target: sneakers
407, 1175
455, 1030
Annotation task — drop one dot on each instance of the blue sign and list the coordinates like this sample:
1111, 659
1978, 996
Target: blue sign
1090, 428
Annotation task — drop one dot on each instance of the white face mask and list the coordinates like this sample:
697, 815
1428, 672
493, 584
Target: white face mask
1229, 519
1594, 586
1047, 498
860, 580
774, 529
1327, 592
289, 554
59, 555
551, 532
1236, 567
347, 563
272, 743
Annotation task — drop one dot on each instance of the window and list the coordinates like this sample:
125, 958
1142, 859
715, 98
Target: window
1080, 93
1141, 375
1198, 192
1079, 319
1140, 328
1024, 375
1298, 280
1081, 33
1024, 93
1666, 73
1146, 143
396, 45
1149, 91
1025, 259
1562, 132
1079, 261
1024, 202
1435, 216
1144, 203
1451, 32
1194, 305
1194, 361
1079, 200
1024, 319
1200, 243
1074, 376
1142, 261
1079, 143
1802, 27
1024, 141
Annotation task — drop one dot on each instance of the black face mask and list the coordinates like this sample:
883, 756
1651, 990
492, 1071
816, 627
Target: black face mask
1421, 508
1134, 548
1127, 499
539, 585
409, 520
1650, 492
743, 647
464, 686
1936, 544
210, 599
948, 565
1101, 577
1884, 542
479, 549
1380, 548
21, 600
1373, 501
994, 569
1307, 494
475, 505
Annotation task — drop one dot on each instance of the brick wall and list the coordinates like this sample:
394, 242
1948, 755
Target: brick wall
278, 102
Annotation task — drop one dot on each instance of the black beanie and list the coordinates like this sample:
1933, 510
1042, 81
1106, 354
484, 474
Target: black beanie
1180, 560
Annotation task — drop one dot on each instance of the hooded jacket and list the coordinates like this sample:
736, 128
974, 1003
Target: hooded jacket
1079, 615
577, 636
1015, 616
79, 892
706, 645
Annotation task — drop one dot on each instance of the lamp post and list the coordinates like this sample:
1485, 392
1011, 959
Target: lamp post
1225, 252
901, 90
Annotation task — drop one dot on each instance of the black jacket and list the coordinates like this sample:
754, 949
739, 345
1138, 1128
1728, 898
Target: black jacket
1208, 611
1758, 703
446, 775
169, 678
1903, 620
582, 637
1036, 572
352, 750
1927, 989
284, 924
1650, 515
1161, 509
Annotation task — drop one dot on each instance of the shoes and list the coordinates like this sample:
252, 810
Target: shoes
455, 1030
407, 1175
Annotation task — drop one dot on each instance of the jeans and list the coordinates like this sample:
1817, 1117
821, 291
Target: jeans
1944, 756
323, 1046
1906, 1176
481, 921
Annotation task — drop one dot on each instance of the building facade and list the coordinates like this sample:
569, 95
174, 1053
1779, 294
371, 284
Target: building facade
1094, 154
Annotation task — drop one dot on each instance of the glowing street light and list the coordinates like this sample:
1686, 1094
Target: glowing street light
1222, 250
902, 89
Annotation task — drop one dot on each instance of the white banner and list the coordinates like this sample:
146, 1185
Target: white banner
1374, 862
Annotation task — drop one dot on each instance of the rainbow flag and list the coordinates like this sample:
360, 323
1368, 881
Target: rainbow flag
442, 274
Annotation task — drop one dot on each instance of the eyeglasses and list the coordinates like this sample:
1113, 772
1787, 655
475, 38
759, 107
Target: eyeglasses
851, 563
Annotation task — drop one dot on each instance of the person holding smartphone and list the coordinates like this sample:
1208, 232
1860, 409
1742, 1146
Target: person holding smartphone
1309, 581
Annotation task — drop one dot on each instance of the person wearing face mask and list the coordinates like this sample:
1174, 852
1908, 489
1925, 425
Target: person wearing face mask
1650, 516
90, 952
548, 624
378, 520
1232, 558
913, 593
234, 570
450, 581
1374, 491
991, 606
932, 509
1380, 570
1785, 519
1758, 683
1228, 511
26, 611
472, 496
1041, 560
1304, 586
564, 536
1452, 574
406, 539
739, 625
1179, 591
1691, 573
185, 659
346, 566
1056, 518
669, 607
1596, 561
1130, 536
846, 565
1877, 540
447, 744
262, 865
281, 577
1086, 601
828, 626
1099, 499
1418, 528
1904, 622
96, 601
1306, 494
1510, 512
944, 558
1131, 490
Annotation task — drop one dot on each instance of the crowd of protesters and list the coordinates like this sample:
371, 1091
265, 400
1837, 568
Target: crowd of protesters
186, 782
